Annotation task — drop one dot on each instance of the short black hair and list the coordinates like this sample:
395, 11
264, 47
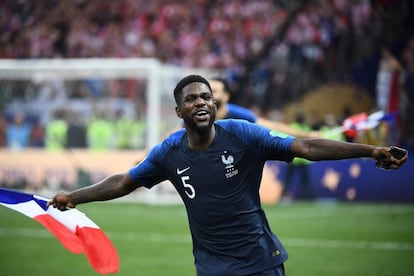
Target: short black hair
187, 80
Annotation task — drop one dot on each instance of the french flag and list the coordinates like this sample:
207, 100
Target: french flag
76, 232
361, 121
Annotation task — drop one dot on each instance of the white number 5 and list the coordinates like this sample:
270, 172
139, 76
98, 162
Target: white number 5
189, 188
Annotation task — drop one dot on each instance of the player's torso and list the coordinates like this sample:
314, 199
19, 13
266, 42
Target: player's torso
220, 188
213, 175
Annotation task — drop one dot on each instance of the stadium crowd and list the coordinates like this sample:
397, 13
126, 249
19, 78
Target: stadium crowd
321, 44
196, 34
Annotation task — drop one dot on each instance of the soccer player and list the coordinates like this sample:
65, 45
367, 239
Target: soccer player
216, 167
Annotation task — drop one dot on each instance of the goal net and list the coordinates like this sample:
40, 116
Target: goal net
134, 89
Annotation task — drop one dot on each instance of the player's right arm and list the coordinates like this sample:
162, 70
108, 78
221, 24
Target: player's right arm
111, 187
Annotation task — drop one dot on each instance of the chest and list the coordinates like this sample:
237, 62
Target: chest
216, 173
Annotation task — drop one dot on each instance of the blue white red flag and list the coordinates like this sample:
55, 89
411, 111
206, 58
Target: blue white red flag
76, 232
362, 121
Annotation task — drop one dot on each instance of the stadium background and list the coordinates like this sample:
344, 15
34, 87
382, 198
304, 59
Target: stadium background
321, 57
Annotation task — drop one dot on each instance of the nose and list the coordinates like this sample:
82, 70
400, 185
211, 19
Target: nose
199, 101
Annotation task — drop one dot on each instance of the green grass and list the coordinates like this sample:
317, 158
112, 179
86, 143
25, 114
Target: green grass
322, 239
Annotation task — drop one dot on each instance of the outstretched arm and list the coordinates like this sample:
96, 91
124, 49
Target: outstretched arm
322, 149
113, 186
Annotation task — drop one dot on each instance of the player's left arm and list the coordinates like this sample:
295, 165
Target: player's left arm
322, 149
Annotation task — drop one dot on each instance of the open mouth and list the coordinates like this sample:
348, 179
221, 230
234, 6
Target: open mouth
202, 115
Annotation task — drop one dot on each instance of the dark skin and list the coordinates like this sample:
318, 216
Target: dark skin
198, 109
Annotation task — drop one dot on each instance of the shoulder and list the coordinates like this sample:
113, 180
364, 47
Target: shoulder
175, 137
161, 150
239, 112
231, 122
239, 126
247, 130
261, 140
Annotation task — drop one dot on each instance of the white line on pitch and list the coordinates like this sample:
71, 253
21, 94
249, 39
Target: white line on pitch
178, 238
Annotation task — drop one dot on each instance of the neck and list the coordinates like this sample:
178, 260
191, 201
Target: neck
200, 141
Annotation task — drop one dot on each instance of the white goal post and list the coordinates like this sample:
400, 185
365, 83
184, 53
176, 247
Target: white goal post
159, 81
160, 78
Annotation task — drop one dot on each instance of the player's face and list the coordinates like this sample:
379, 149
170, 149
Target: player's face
220, 95
198, 108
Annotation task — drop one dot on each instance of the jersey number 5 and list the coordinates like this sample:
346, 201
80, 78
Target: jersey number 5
189, 188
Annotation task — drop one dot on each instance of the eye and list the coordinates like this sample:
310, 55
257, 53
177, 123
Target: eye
189, 99
207, 96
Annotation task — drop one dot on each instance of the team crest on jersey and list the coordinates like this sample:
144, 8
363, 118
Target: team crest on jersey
228, 161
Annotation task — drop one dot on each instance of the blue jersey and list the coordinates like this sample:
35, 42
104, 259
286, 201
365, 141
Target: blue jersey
238, 112
220, 189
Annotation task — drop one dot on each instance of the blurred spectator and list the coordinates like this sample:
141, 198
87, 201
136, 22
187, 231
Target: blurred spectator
57, 131
330, 129
76, 137
49, 95
128, 132
94, 87
18, 132
388, 87
388, 93
298, 167
37, 137
100, 132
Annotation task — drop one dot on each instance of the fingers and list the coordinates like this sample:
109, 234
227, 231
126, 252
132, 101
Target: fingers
61, 202
59, 205
51, 203
397, 163
398, 159
385, 155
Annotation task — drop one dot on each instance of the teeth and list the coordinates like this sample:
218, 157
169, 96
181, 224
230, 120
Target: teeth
201, 113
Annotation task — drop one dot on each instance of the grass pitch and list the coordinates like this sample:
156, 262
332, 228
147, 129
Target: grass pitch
322, 239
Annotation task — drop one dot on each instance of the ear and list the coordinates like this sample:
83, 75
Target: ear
178, 112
